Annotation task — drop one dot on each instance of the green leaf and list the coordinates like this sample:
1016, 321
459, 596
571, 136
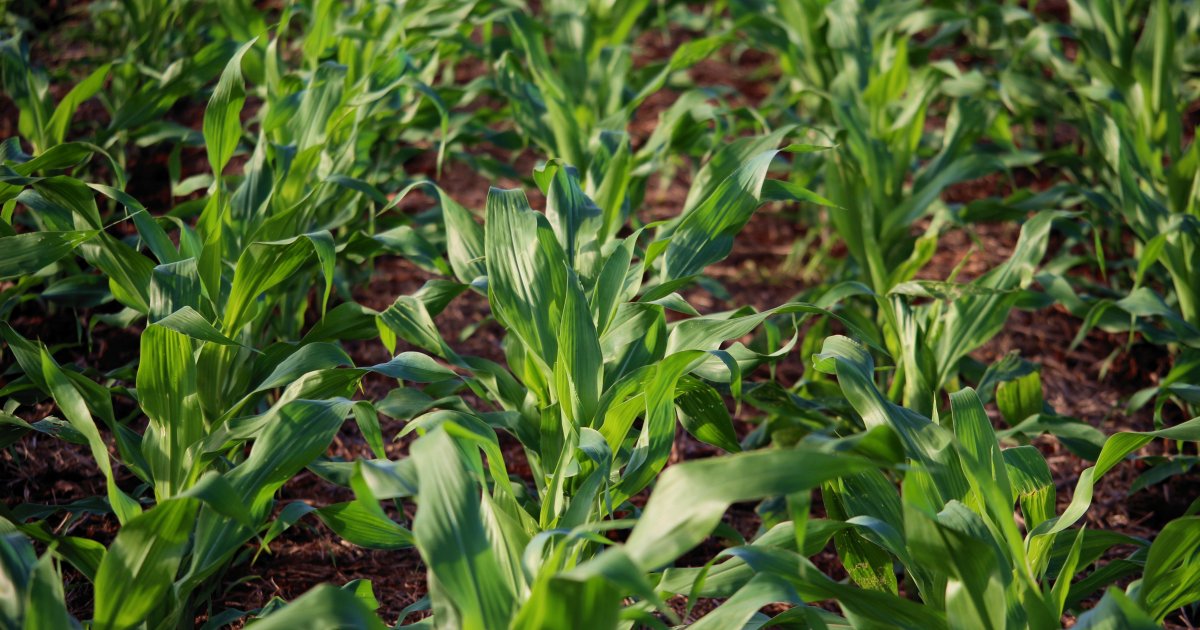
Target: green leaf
140, 566
736, 611
526, 272
264, 265
324, 606
864, 608
1020, 398
923, 440
574, 217
705, 234
1172, 576
364, 526
610, 284
410, 319
975, 588
972, 320
416, 367
579, 371
296, 433
166, 385
690, 498
45, 603
222, 117
82, 91
1116, 611
148, 228
72, 404
189, 322
464, 241
703, 414
1062, 585
450, 535
983, 465
28, 253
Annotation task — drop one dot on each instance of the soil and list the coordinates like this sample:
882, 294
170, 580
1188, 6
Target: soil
1091, 382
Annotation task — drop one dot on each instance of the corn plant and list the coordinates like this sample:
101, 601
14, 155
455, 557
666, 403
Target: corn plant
589, 352
1149, 172
218, 371
41, 121
1141, 138
572, 91
206, 395
951, 527
936, 336
855, 60
963, 554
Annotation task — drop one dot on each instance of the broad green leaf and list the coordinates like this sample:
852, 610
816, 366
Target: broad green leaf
573, 216
175, 286
579, 371
45, 605
140, 566
1020, 398
364, 527
298, 432
82, 91
923, 440
702, 413
736, 611
29, 253
1066, 573
690, 498
975, 586
1172, 576
191, 323
451, 538
264, 265
166, 384
324, 606
72, 405
464, 241
222, 117
408, 318
416, 367
705, 234
152, 233
863, 608
526, 272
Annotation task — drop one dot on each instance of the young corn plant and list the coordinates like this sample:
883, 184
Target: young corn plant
136, 89
597, 377
872, 178
810, 39
852, 71
950, 535
951, 531
573, 92
41, 121
939, 323
238, 401
1150, 171
206, 393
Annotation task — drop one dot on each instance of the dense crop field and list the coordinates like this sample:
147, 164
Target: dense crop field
494, 314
